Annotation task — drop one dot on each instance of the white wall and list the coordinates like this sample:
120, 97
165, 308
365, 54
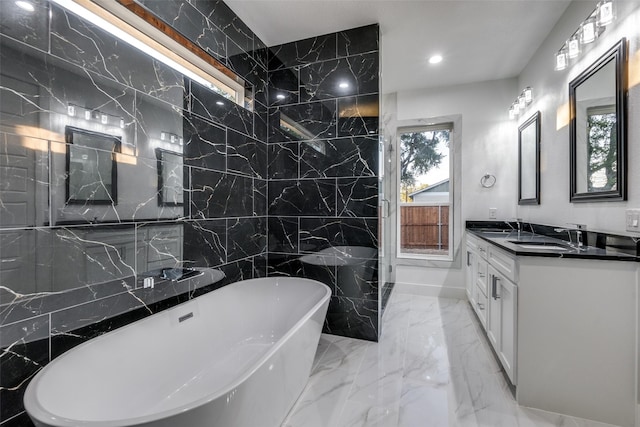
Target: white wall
488, 145
551, 97
489, 139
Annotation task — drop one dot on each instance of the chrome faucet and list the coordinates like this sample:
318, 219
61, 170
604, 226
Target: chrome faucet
518, 224
578, 228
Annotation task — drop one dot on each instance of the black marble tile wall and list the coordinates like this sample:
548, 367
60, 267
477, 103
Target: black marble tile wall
84, 115
323, 171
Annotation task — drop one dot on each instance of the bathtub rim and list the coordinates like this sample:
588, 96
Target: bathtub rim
43, 415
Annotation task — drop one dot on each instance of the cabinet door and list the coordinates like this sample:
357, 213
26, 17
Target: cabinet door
470, 273
502, 319
507, 350
494, 315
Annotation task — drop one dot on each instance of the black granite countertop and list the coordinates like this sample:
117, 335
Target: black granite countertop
544, 241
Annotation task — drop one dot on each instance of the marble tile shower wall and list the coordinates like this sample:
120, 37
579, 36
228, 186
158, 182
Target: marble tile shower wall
323, 171
82, 212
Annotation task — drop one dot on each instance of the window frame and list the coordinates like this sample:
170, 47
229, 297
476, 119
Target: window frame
400, 255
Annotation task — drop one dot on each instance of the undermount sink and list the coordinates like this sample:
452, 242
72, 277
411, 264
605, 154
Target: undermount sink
550, 246
494, 230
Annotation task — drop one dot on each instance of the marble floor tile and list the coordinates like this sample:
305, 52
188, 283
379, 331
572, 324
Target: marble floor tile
375, 388
322, 399
432, 367
357, 414
344, 354
423, 405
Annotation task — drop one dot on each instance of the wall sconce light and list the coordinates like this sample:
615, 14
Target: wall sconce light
605, 13
573, 47
522, 101
95, 115
171, 138
588, 31
561, 59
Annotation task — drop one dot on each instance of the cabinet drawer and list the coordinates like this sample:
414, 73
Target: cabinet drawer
503, 262
478, 245
481, 275
472, 241
483, 249
480, 307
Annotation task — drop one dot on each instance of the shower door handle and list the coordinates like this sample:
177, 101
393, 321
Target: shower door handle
385, 205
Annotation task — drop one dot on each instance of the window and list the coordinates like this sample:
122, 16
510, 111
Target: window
425, 192
136, 26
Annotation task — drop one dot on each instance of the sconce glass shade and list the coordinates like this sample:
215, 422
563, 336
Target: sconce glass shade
516, 108
512, 113
521, 101
561, 59
71, 110
528, 95
605, 13
573, 47
588, 31
87, 115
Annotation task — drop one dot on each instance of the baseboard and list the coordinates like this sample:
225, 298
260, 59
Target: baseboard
430, 290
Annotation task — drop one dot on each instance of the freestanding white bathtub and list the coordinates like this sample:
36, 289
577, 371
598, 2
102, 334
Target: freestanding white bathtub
236, 357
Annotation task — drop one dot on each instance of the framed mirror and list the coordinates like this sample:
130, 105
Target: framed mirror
529, 161
92, 175
598, 108
170, 178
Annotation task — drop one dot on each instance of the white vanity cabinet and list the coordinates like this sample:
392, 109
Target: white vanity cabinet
492, 291
563, 328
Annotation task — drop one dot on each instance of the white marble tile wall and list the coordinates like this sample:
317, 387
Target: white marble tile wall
431, 368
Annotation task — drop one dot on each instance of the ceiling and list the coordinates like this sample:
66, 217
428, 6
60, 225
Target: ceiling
480, 40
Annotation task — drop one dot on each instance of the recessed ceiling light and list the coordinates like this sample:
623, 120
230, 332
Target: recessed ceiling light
280, 96
435, 59
343, 85
219, 103
25, 5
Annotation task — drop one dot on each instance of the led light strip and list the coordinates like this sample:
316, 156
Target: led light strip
126, 32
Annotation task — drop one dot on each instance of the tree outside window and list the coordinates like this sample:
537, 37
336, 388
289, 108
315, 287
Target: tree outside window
602, 155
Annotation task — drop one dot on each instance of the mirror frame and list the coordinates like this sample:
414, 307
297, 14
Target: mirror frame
618, 54
112, 144
534, 121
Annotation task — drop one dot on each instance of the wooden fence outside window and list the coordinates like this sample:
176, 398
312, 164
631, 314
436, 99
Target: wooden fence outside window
424, 229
